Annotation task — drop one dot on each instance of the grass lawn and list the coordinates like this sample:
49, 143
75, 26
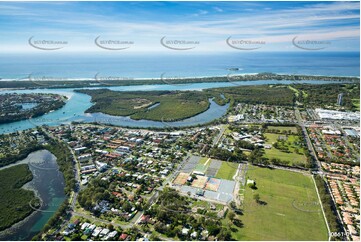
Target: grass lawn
201, 203
226, 171
304, 94
293, 157
280, 219
247, 153
202, 166
356, 103
203, 160
297, 92
293, 129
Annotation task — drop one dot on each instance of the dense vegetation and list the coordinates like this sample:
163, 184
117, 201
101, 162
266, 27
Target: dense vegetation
326, 95
174, 210
154, 105
15, 201
96, 190
266, 94
328, 205
226, 155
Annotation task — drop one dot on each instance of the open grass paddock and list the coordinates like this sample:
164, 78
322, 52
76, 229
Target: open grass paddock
292, 211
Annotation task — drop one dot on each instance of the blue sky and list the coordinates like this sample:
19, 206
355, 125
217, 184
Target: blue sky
209, 24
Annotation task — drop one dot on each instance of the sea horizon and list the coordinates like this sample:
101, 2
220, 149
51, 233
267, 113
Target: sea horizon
67, 66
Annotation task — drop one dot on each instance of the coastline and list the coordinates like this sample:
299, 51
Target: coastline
112, 81
108, 78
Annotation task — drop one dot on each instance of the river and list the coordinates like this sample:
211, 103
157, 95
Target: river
78, 103
48, 183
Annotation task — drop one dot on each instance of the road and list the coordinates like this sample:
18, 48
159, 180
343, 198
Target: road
308, 141
319, 168
219, 136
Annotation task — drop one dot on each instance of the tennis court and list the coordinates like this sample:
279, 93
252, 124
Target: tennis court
200, 182
191, 164
213, 167
181, 179
213, 184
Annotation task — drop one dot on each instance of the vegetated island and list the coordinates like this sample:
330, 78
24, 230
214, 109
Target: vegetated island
15, 107
16, 203
150, 105
179, 105
233, 76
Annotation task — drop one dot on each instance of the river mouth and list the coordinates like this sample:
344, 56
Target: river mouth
48, 184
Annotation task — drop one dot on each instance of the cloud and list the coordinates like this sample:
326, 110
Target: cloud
218, 9
211, 25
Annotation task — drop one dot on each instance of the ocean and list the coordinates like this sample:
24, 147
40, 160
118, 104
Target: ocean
51, 64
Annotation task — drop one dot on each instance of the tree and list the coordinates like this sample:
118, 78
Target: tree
231, 215
224, 234
257, 197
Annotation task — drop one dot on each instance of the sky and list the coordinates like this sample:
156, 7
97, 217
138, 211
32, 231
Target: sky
142, 27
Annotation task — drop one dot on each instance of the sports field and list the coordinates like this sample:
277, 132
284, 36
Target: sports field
227, 170
292, 145
292, 211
